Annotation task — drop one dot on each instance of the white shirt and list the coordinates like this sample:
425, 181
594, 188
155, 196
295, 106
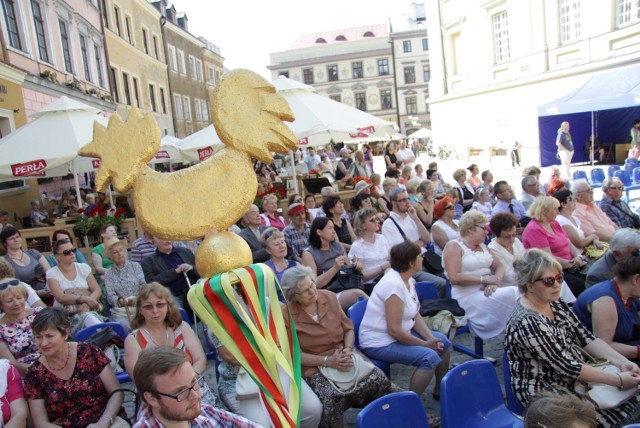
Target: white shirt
373, 255
406, 223
80, 281
374, 330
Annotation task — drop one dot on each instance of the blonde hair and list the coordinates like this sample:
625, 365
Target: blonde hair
540, 205
459, 173
389, 183
470, 220
13, 290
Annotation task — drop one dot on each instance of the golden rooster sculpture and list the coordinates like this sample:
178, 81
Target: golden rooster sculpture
212, 195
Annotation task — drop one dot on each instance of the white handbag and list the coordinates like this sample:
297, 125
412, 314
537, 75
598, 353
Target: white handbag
348, 381
246, 388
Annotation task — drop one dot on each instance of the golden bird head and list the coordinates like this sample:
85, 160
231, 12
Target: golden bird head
248, 113
120, 161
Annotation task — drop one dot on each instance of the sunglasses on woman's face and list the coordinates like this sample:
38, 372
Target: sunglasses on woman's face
6, 284
449, 207
550, 281
68, 252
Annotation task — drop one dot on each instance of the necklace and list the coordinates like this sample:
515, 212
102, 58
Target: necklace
21, 256
65, 363
166, 341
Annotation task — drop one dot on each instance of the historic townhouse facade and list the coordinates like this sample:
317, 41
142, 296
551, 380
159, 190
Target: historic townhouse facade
137, 63
353, 66
494, 62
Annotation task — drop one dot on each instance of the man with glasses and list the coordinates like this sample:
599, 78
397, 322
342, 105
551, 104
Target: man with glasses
170, 391
592, 218
252, 232
403, 224
507, 204
530, 190
613, 205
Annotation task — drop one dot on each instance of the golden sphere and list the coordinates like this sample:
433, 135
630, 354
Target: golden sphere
222, 252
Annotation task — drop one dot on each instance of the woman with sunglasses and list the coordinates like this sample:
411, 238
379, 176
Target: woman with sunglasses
476, 278
545, 233
540, 335
445, 228
371, 249
610, 309
274, 243
74, 288
29, 266
17, 344
62, 235
572, 225
72, 384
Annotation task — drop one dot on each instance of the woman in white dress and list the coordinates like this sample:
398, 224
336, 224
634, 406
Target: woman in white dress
476, 277
506, 248
445, 228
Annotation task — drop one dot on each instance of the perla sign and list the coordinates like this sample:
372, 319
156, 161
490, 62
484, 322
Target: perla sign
35, 167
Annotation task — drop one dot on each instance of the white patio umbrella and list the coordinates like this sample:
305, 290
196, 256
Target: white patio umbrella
422, 133
48, 145
319, 120
200, 145
169, 150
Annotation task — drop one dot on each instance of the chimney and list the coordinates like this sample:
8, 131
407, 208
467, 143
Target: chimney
418, 12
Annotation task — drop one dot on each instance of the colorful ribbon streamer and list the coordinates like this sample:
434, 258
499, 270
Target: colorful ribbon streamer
241, 308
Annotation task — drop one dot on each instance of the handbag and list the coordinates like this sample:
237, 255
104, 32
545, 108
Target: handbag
346, 382
431, 262
246, 387
74, 309
105, 337
603, 396
346, 279
595, 253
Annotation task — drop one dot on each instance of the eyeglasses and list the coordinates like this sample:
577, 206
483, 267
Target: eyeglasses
309, 290
585, 191
449, 207
508, 236
6, 284
149, 307
551, 280
184, 394
481, 227
68, 252
616, 187
402, 200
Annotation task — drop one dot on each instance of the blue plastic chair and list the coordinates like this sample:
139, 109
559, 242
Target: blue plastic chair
629, 168
185, 316
470, 396
636, 176
612, 169
86, 332
398, 409
512, 401
580, 174
632, 161
597, 177
356, 313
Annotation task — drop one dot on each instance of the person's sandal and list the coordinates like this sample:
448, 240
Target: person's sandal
434, 421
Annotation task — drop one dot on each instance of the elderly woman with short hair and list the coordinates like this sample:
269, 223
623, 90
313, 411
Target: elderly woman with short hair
343, 166
545, 233
122, 282
540, 336
326, 339
476, 278
412, 190
270, 216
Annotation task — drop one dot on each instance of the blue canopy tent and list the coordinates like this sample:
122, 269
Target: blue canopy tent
605, 105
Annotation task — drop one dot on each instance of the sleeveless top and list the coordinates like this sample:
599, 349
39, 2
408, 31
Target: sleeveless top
627, 328
472, 263
325, 259
451, 234
28, 272
342, 232
178, 341
392, 158
347, 165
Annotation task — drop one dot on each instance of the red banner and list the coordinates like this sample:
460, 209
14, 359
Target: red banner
96, 163
205, 153
163, 154
364, 132
35, 167
304, 141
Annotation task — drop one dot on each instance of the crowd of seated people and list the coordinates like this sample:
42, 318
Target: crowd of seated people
512, 262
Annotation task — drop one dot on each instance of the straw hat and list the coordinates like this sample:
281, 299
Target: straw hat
110, 243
